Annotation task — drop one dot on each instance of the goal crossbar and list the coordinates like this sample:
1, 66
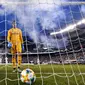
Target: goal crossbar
56, 3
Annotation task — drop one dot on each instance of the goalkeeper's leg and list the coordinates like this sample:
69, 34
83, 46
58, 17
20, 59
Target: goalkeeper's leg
19, 57
14, 61
13, 57
19, 60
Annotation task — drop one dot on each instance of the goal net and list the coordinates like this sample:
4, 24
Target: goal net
54, 35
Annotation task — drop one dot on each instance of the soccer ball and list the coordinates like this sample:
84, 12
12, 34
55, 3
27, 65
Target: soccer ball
28, 76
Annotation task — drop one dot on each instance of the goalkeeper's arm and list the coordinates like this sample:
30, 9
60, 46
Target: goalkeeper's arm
21, 38
8, 39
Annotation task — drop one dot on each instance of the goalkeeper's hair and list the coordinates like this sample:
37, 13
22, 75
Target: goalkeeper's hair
13, 22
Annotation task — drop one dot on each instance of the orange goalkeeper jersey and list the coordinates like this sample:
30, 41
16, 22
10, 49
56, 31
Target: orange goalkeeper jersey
15, 36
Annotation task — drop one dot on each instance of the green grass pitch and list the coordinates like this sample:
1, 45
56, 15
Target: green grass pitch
46, 75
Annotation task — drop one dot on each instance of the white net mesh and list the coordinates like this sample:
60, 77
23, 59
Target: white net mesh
53, 33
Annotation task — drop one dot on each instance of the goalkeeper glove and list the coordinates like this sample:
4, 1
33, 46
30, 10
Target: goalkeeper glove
9, 45
22, 47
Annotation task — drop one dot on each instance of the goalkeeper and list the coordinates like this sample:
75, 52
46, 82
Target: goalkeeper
15, 43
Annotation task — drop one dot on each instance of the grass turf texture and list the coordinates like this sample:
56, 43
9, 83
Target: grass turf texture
63, 75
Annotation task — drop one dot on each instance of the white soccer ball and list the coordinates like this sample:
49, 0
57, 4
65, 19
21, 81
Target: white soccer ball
28, 76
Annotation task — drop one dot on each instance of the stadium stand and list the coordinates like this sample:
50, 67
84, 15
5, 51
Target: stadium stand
57, 56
